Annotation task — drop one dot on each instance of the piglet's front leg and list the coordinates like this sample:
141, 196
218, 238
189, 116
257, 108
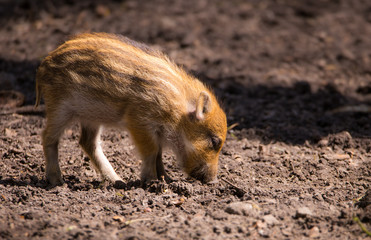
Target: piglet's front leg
151, 154
161, 174
148, 151
153, 168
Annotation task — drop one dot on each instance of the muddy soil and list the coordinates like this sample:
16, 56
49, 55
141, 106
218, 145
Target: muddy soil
294, 78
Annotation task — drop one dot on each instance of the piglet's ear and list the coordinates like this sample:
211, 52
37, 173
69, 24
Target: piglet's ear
203, 105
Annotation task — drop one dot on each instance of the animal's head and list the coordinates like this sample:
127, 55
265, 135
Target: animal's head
204, 130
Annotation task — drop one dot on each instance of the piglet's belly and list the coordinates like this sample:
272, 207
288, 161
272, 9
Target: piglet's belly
93, 110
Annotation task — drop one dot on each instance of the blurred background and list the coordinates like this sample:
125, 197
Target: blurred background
291, 71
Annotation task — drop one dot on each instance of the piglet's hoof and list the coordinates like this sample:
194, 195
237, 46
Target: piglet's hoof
119, 184
166, 178
55, 181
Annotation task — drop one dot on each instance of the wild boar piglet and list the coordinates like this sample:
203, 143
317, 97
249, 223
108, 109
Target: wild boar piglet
101, 79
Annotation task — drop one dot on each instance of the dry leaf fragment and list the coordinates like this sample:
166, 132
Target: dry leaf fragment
178, 202
118, 219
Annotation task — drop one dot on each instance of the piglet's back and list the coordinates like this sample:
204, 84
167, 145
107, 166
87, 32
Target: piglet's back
119, 72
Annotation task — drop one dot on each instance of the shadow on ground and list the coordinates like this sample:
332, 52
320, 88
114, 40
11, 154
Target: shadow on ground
295, 114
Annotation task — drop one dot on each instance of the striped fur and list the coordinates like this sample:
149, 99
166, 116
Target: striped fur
104, 79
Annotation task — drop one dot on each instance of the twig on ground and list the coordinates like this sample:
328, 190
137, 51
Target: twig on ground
232, 126
356, 219
234, 186
128, 222
353, 108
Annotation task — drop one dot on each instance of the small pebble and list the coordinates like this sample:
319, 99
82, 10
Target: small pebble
303, 212
239, 208
314, 232
270, 219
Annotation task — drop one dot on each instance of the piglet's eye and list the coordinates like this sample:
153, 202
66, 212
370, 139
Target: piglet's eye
216, 143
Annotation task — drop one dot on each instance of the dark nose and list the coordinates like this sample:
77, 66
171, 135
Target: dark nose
198, 172
201, 173
213, 181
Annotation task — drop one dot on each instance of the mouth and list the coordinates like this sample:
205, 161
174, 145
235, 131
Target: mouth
201, 172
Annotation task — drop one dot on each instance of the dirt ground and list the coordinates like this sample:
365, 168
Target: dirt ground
295, 81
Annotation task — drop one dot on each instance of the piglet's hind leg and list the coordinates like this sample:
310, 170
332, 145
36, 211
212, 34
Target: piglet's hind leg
55, 125
90, 142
